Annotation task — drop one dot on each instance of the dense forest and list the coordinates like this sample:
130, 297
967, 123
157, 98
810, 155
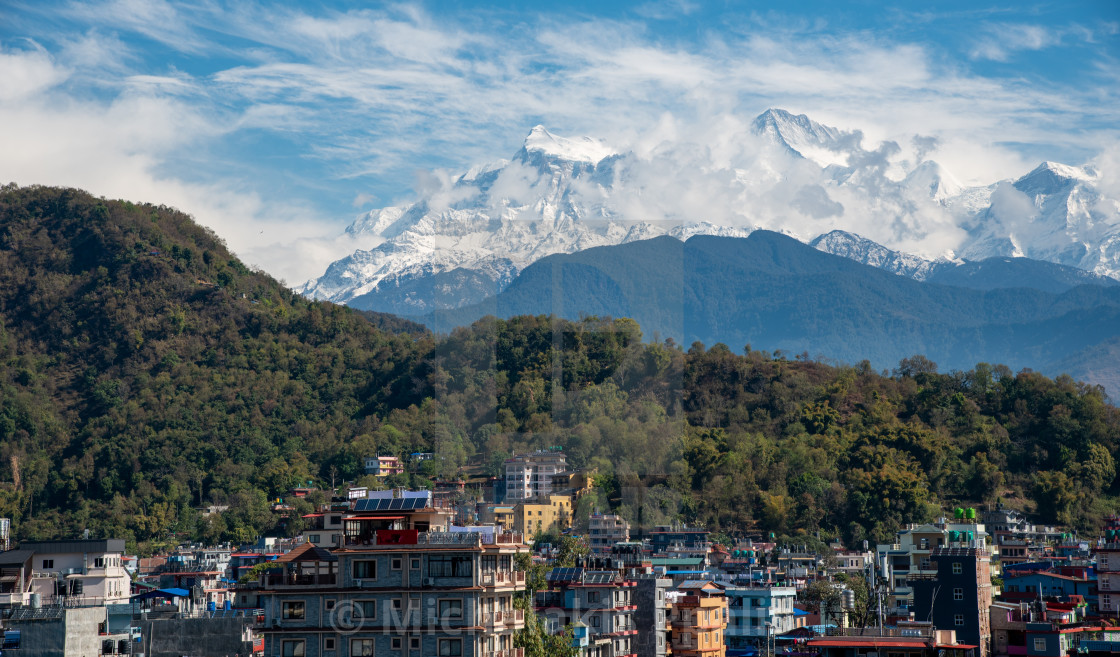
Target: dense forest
147, 373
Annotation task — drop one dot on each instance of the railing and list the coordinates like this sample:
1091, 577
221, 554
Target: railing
503, 578
508, 652
300, 579
470, 539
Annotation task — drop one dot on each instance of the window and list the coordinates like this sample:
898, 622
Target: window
395, 644
958, 594
48, 563
361, 647
448, 566
328, 643
592, 597
450, 647
364, 610
365, 570
414, 643
292, 648
1040, 644
398, 604
99, 562
415, 564
957, 568
958, 619
594, 621
292, 610
313, 538
450, 608
396, 563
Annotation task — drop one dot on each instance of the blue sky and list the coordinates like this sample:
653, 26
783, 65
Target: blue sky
276, 123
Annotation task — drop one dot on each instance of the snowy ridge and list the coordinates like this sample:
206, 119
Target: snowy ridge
861, 249
790, 174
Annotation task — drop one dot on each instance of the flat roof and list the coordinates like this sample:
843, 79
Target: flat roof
75, 546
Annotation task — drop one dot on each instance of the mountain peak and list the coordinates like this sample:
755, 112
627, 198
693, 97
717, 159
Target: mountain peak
579, 149
802, 135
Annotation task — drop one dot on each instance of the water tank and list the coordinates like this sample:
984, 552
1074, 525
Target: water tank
971, 537
36, 600
971, 513
210, 606
958, 513
849, 598
954, 536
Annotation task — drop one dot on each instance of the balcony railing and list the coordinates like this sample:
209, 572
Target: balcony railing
508, 652
498, 619
500, 578
300, 579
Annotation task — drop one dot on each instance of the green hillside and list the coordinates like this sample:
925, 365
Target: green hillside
147, 373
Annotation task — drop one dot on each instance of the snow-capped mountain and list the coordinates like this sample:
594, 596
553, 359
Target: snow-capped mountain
467, 237
1054, 213
467, 240
861, 249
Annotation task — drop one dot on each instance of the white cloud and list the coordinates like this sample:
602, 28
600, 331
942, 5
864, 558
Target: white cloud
371, 95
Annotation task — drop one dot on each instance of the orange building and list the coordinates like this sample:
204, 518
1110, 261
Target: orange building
697, 619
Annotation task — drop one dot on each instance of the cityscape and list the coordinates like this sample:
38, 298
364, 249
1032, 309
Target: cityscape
456, 571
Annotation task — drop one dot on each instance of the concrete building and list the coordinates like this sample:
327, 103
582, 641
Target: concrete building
651, 618
910, 556
599, 600
756, 614
697, 620
531, 475
537, 515
79, 573
400, 584
383, 466
57, 631
604, 530
958, 595
1108, 569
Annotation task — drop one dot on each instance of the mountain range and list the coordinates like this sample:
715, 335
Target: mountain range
467, 237
775, 292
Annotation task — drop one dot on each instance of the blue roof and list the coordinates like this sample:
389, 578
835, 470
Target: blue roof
685, 572
163, 593
799, 612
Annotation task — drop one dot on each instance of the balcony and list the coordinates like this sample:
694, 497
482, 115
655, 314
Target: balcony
500, 578
499, 620
508, 652
299, 579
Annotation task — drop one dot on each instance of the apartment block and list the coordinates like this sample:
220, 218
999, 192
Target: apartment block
531, 475
599, 602
757, 613
397, 587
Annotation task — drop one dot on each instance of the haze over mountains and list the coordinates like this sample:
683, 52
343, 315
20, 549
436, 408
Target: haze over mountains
467, 237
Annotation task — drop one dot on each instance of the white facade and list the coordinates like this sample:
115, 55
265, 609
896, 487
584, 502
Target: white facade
757, 612
530, 475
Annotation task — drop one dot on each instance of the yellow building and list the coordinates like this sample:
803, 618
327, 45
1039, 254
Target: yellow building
532, 517
697, 620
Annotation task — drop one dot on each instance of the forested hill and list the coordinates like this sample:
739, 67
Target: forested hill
147, 373
770, 289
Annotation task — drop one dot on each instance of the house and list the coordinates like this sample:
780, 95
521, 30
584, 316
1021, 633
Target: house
78, 573
531, 475
383, 466
756, 614
698, 619
600, 600
604, 530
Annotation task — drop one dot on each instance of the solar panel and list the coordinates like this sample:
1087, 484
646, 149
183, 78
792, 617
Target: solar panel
598, 577
391, 504
564, 575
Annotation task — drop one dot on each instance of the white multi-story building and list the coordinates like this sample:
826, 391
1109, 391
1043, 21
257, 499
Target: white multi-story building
756, 613
530, 475
77, 573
